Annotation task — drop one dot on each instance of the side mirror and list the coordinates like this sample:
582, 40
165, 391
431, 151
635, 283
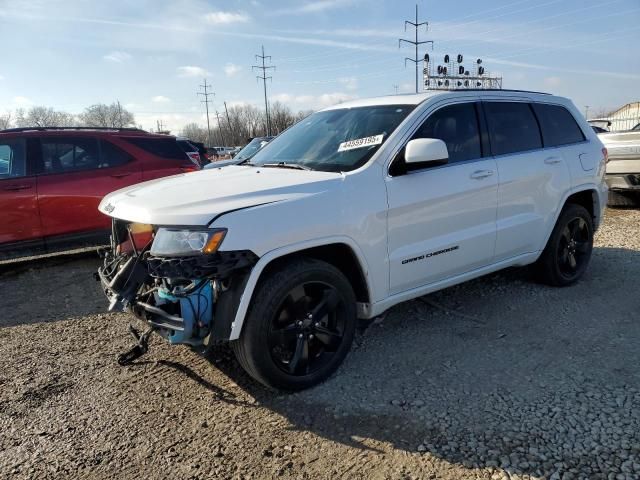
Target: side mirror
426, 151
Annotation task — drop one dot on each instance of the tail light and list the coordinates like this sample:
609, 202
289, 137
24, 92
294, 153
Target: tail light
189, 168
605, 154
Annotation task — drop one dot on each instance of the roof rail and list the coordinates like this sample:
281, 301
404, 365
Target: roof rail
489, 90
42, 129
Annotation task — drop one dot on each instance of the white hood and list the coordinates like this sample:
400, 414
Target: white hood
196, 198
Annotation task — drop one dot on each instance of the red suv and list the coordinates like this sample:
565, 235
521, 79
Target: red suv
52, 180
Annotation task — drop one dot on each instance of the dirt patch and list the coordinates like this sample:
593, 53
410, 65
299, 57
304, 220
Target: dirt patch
496, 378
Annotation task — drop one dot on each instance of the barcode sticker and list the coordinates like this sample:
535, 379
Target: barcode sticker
360, 143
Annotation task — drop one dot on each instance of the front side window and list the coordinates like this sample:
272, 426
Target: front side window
558, 125
63, 154
337, 140
512, 127
457, 126
12, 158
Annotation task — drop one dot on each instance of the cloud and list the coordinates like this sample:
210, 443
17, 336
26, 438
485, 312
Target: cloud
117, 57
226, 18
231, 69
552, 81
192, 71
312, 101
313, 7
350, 83
22, 101
160, 99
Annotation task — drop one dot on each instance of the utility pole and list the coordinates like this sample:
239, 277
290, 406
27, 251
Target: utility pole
120, 125
206, 93
160, 126
586, 111
395, 87
220, 129
416, 25
264, 68
228, 121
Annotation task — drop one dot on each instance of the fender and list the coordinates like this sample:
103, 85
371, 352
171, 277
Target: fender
266, 259
597, 207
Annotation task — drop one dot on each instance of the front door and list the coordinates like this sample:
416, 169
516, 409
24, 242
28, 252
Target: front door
442, 220
19, 218
77, 172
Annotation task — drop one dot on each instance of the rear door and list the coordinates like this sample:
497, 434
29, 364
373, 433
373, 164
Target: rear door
19, 218
161, 156
533, 179
442, 220
75, 173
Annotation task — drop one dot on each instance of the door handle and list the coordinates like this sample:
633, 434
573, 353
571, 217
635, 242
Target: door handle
480, 174
552, 160
17, 187
120, 175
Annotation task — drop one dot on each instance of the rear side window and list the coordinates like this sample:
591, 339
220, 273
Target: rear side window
112, 156
512, 127
558, 125
63, 154
457, 126
186, 146
160, 147
12, 158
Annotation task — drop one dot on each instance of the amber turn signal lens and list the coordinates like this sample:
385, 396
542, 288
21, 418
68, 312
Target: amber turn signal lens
214, 242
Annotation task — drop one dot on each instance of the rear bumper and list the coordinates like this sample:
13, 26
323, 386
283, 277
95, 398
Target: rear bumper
623, 181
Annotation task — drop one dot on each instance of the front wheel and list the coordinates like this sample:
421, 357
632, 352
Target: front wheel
568, 251
299, 327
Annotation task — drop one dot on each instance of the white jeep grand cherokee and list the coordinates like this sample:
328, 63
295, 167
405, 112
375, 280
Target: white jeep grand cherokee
354, 209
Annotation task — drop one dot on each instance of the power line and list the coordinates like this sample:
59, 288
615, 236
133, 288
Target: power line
416, 43
264, 68
206, 102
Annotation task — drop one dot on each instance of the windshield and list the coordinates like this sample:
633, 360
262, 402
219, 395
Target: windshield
251, 148
334, 140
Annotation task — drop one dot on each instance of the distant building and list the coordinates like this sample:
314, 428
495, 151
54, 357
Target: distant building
624, 118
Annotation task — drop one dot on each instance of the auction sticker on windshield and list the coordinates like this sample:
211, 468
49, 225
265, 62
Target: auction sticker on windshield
360, 142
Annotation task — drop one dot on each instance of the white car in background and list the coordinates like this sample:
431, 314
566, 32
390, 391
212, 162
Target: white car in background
357, 208
623, 169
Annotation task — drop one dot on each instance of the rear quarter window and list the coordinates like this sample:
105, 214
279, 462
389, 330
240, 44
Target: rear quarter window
558, 125
160, 147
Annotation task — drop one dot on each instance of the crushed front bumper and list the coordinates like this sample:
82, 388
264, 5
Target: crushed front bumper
179, 297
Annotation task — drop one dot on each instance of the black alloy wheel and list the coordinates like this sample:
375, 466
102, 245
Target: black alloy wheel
308, 328
300, 325
574, 248
568, 251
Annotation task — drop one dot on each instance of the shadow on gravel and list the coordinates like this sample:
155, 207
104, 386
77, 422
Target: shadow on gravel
498, 372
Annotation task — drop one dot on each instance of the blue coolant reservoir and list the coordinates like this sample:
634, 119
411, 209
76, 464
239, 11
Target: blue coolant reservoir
196, 311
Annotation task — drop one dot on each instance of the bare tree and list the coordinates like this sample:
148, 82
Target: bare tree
281, 117
195, 132
109, 116
44, 117
5, 120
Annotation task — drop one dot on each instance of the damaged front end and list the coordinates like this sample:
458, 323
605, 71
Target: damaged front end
176, 280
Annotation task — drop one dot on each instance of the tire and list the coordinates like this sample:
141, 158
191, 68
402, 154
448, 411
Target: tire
617, 199
572, 238
299, 327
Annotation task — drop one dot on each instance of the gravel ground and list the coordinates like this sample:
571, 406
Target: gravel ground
497, 378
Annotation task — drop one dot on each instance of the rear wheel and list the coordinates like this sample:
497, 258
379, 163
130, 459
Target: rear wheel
300, 325
568, 251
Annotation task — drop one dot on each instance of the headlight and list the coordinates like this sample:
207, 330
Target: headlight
178, 241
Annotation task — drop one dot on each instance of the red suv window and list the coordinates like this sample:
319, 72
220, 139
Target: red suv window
161, 147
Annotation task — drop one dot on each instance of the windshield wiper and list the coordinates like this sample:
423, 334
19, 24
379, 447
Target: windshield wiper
295, 166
